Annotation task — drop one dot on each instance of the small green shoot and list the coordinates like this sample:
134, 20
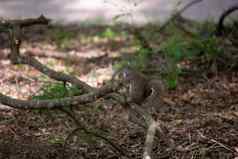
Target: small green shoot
62, 38
56, 140
175, 48
109, 33
206, 46
138, 61
57, 91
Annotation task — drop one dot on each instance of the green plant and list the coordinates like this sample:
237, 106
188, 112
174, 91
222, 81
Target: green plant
172, 75
175, 50
178, 48
56, 140
205, 43
137, 61
109, 33
56, 91
62, 38
207, 46
207, 28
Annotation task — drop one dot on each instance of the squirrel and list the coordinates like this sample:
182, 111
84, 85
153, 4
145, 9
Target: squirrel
140, 88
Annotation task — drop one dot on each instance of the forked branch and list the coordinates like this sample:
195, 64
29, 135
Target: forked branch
15, 37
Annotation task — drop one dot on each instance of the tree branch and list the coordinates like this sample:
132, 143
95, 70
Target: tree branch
178, 13
25, 22
220, 25
55, 103
81, 126
15, 37
59, 76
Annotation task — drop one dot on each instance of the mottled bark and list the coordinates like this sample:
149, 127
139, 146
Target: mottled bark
55, 103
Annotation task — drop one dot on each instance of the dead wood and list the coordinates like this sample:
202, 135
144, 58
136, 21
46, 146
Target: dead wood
178, 13
91, 94
220, 25
15, 38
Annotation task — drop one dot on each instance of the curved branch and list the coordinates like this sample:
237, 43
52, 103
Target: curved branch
81, 126
220, 25
15, 39
53, 74
178, 13
55, 103
15, 35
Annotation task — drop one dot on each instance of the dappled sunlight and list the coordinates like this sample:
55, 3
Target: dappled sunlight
116, 91
89, 55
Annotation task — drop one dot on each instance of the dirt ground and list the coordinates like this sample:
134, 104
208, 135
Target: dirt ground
201, 115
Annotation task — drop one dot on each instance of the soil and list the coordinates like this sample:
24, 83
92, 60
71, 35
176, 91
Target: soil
201, 115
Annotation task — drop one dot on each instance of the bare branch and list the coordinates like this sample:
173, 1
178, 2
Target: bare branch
55, 103
149, 140
15, 40
59, 76
15, 32
220, 25
15, 37
25, 22
85, 129
178, 13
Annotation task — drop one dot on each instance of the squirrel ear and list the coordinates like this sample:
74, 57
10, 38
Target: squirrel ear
125, 74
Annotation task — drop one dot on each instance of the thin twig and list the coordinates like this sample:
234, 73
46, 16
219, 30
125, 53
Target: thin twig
215, 141
90, 132
220, 25
149, 140
178, 13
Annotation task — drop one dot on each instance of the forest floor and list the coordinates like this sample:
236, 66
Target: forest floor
201, 114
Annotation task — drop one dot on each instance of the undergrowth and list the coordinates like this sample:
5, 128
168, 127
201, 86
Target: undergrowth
56, 91
61, 37
176, 48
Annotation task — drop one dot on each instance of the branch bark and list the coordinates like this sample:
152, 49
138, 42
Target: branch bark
55, 103
15, 41
25, 22
220, 25
92, 94
59, 76
178, 13
81, 126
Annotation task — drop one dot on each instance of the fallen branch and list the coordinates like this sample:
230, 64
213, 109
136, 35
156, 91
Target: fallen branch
220, 25
149, 140
178, 13
55, 103
153, 126
59, 76
92, 93
25, 22
215, 141
15, 37
53, 74
86, 130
